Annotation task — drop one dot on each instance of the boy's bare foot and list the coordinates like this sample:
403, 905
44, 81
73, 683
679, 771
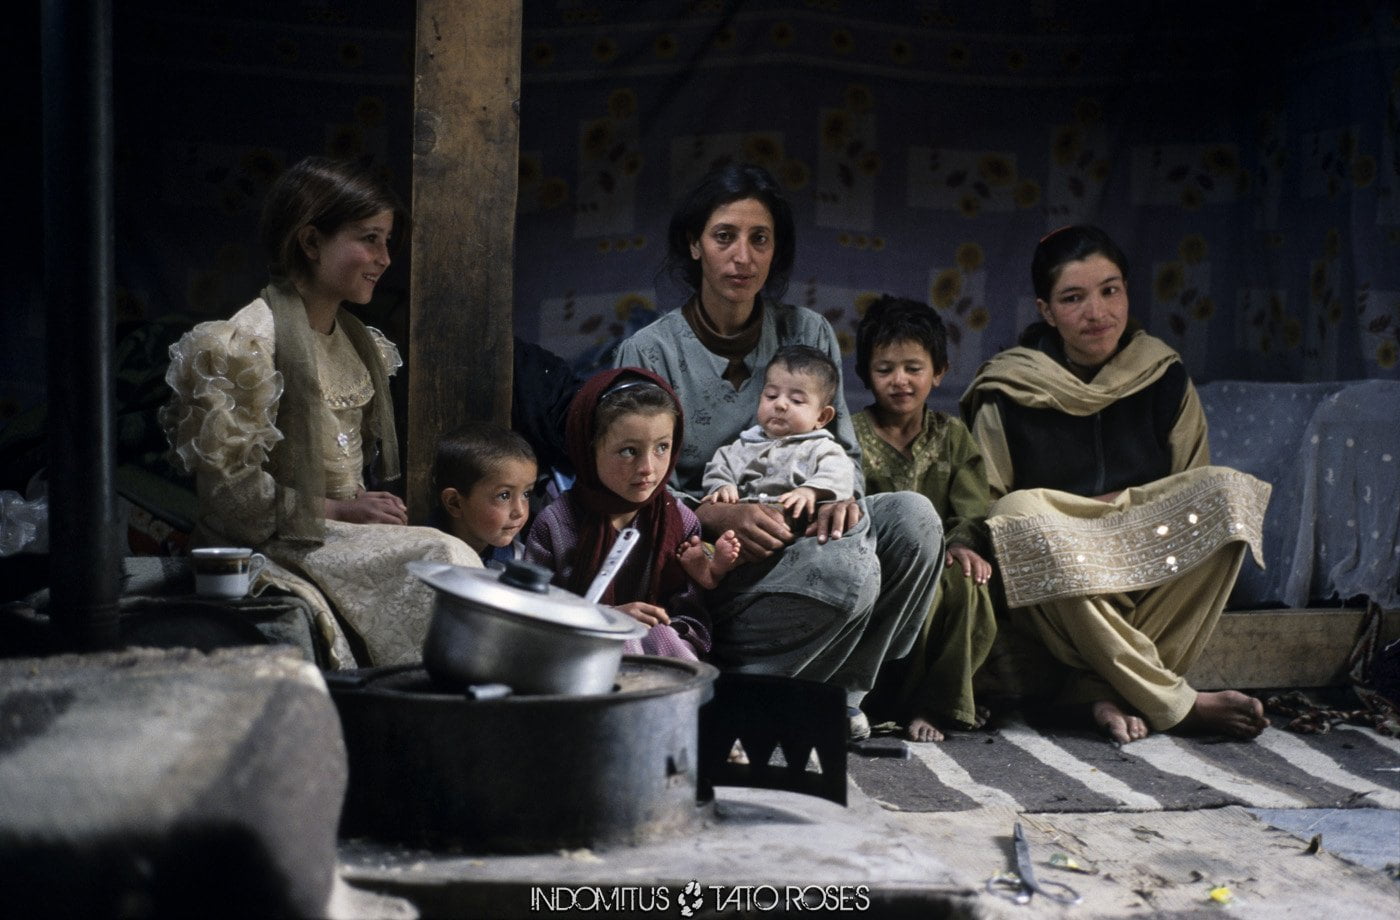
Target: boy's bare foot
1225, 712
1120, 726
921, 729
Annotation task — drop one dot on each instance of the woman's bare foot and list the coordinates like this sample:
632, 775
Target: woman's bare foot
1120, 726
921, 729
1225, 712
705, 570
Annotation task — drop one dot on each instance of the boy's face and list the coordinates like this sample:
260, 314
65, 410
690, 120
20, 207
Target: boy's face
792, 403
496, 507
901, 377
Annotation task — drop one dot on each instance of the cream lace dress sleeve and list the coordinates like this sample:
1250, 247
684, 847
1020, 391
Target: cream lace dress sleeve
222, 423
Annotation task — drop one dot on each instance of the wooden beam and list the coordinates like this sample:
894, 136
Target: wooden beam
466, 148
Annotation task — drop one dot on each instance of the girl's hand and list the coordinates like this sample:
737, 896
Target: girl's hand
650, 614
760, 529
973, 566
368, 508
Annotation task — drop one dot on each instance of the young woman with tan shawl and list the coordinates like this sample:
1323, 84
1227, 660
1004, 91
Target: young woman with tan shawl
1117, 542
278, 411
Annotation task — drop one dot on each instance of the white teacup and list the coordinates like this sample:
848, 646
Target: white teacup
225, 571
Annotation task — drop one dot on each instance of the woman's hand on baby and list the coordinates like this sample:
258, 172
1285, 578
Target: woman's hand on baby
650, 614
973, 566
760, 528
368, 508
833, 519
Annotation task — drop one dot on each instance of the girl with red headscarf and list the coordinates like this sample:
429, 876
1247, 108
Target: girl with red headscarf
622, 435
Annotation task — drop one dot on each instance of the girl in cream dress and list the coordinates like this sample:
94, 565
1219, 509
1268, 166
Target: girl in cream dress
279, 410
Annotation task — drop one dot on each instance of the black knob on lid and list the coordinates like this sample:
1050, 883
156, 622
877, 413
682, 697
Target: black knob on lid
527, 576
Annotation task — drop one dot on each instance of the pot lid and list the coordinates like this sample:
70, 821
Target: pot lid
523, 590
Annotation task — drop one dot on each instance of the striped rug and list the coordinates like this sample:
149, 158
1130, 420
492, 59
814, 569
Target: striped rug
1038, 770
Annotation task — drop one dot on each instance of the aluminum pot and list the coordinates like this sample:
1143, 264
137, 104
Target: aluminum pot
514, 628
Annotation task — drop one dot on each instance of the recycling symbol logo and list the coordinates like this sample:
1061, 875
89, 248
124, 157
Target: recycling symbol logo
690, 899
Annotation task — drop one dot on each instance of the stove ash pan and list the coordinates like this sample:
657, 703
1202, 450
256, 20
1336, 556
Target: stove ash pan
522, 774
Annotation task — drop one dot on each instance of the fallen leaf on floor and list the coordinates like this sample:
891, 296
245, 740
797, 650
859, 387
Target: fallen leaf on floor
1065, 861
1221, 895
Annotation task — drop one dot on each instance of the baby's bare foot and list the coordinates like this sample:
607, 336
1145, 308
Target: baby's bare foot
726, 555
704, 569
1120, 726
1226, 712
696, 563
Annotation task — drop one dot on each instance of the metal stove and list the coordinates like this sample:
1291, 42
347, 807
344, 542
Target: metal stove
538, 773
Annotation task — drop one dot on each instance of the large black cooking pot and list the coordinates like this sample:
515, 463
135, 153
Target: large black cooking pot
523, 773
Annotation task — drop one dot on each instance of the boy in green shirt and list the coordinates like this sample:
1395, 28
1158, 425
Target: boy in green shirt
901, 355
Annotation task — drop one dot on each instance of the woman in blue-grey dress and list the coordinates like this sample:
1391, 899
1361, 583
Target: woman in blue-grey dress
829, 601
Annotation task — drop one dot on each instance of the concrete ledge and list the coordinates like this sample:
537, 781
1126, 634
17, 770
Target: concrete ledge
755, 848
1256, 649
172, 783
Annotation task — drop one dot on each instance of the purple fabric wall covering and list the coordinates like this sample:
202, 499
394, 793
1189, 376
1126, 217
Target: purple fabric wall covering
1246, 156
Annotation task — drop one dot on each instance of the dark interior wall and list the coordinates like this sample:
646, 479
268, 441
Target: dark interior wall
213, 101
21, 309
1244, 154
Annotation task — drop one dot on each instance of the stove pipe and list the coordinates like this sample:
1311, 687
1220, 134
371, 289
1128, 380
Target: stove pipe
84, 541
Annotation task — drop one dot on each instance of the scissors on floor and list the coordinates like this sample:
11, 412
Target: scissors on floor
1020, 885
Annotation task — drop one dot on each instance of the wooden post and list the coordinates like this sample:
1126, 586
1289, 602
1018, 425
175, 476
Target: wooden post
466, 149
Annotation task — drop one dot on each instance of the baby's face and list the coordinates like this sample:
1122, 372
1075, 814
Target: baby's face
791, 403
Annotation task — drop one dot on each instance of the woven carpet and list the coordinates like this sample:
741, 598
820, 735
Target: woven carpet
1058, 770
